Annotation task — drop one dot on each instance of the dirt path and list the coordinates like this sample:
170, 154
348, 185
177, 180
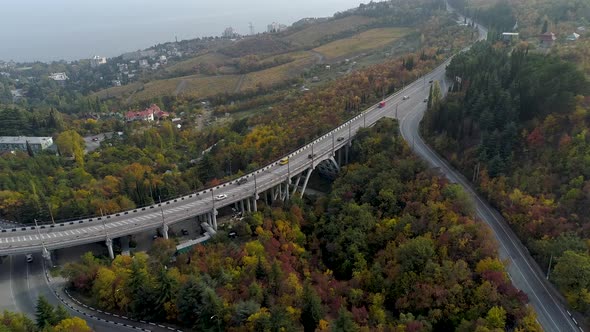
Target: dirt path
239, 84
180, 87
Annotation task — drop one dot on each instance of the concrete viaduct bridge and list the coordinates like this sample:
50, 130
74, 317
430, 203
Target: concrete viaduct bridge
272, 182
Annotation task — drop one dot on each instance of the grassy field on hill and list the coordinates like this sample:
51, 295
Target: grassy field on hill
280, 73
190, 64
362, 42
311, 35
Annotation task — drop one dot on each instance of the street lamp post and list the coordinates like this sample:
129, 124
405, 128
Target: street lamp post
332, 143
45, 251
396, 105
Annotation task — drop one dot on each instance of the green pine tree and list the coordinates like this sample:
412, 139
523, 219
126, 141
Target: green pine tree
45, 313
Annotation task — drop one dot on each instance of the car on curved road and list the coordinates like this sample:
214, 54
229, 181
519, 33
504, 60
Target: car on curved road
29, 258
220, 197
284, 161
406, 97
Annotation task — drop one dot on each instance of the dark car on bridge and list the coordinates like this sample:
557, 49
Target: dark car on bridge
242, 181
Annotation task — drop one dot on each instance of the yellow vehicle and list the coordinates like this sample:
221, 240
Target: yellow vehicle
284, 161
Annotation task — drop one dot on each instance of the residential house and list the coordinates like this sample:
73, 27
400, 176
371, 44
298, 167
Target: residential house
97, 61
59, 76
19, 143
149, 114
17, 94
573, 37
143, 63
547, 39
509, 36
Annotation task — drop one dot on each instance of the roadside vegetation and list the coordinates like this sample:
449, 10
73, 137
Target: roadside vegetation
392, 247
517, 125
48, 319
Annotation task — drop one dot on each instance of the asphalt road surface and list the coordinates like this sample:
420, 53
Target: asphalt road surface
22, 283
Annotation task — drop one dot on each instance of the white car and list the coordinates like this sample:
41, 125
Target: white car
29, 258
406, 97
220, 197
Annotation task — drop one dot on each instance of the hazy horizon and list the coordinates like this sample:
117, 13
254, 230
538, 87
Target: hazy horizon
37, 30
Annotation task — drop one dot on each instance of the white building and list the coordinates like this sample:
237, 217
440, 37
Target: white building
59, 76
573, 37
275, 27
97, 61
143, 63
14, 143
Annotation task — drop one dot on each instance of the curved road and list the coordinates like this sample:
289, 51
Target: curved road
22, 283
524, 272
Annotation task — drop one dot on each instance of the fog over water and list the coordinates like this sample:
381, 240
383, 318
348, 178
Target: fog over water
48, 30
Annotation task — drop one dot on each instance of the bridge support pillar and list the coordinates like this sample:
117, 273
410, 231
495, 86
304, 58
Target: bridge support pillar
208, 218
254, 199
109, 243
266, 197
296, 185
242, 206
281, 191
346, 153
248, 207
339, 156
165, 231
309, 170
214, 217
287, 188
47, 255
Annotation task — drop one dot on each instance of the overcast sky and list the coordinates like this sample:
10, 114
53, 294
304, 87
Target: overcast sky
72, 29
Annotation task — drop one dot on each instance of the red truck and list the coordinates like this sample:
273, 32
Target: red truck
382, 104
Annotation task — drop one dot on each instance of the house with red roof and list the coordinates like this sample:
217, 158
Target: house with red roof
547, 39
149, 114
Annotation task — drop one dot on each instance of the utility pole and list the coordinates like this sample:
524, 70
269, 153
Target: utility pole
332, 143
396, 105
549, 268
